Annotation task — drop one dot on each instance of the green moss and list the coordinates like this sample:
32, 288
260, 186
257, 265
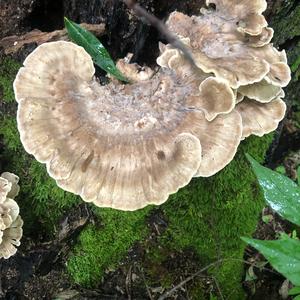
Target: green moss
102, 248
211, 214
8, 70
208, 216
40, 200
286, 22
9, 131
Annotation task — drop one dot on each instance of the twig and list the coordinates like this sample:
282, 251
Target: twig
181, 284
161, 27
13, 44
144, 279
198, 273
218, 287
128, 282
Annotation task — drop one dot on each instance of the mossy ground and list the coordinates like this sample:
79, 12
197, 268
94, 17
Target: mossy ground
208, 216
8, 69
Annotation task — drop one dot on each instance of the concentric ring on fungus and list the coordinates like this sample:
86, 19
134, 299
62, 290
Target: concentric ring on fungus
120, 146
129, 145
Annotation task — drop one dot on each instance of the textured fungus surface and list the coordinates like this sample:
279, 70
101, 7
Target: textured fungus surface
10, 221
207, 216
221, 43
127, 146
122, 146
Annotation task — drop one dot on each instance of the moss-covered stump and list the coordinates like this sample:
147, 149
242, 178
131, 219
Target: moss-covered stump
208, 217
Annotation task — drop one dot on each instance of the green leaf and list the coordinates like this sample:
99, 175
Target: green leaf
280, 169
294, 235
281, 193
94, 48
294, 291
298, 175
267, 219
297, 298
250, 275
283, 255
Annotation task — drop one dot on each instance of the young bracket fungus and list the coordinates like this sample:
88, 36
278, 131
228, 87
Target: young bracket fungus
10, 221
129, 145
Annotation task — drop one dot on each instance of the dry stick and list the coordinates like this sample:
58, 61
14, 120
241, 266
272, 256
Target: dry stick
161, 27
181, 284
218, 287
144, 279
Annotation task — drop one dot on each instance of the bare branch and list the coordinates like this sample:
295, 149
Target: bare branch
161, 27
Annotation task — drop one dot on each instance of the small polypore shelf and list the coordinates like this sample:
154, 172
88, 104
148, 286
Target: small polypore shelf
10, 221
127, 146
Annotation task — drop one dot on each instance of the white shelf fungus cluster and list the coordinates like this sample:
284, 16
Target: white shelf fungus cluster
10, 221
129, 145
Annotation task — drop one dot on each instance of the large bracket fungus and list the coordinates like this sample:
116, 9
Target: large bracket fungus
129, 145
10, 221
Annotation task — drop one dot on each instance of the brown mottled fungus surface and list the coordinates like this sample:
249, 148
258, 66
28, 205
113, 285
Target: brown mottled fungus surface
222, 45
232, 42
121, 146
129, 145
124, 148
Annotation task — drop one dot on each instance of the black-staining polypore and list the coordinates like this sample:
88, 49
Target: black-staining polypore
129, 145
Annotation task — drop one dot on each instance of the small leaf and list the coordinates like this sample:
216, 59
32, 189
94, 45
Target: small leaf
297, 298
294, 291
280, 169
267, 219
283, 255
281, 193
294, 235
94, 48
298, 175
261, 264
250, 275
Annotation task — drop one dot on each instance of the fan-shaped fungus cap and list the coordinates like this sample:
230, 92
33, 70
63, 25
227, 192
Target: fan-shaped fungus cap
121, 146
260, 118
232, 42
262, 91
13, 179
134, 71
248, 14
10, 221
220, 136
10, 239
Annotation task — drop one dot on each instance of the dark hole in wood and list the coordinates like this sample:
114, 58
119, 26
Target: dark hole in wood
161, 155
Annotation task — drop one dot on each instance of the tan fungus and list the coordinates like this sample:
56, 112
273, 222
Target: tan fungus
260, 118
10, 221
232, 42
129, 145
121, 146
